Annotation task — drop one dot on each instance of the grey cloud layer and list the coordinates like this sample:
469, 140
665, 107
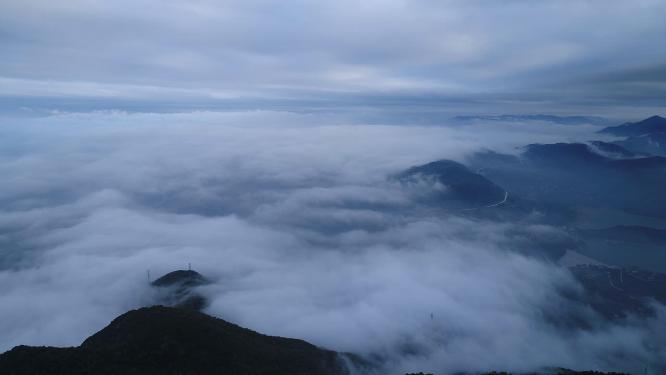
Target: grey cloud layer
300, 230
294, 49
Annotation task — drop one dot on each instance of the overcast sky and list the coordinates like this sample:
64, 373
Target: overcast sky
473, 55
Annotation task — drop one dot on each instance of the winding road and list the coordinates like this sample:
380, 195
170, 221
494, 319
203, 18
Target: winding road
506, 196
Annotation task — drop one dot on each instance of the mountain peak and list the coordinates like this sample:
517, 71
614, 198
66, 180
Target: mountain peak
181, 277
458, 186
654, 118
163, 340
178, 289
650, 125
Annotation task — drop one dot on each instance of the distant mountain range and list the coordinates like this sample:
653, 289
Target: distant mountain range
647, 136
553, 184
651, 125
562, 120
580, 174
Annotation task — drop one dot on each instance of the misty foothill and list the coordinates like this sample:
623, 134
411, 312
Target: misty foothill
332, 187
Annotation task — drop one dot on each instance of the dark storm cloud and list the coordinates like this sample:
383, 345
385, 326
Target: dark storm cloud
203, 50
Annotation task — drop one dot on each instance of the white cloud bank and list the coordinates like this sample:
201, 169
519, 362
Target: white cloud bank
293, 218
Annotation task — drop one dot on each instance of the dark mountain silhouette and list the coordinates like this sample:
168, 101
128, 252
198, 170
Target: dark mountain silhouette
562, 120
458, 186
654, 124
181, 278
178, 289
163, 340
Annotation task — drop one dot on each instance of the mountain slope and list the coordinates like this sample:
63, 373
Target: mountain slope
163, 340
616, 292
654, 124
453, 185
178, 289
653, 143
578, 174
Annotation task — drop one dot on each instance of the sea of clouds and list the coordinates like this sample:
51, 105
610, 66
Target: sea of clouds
294, 220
